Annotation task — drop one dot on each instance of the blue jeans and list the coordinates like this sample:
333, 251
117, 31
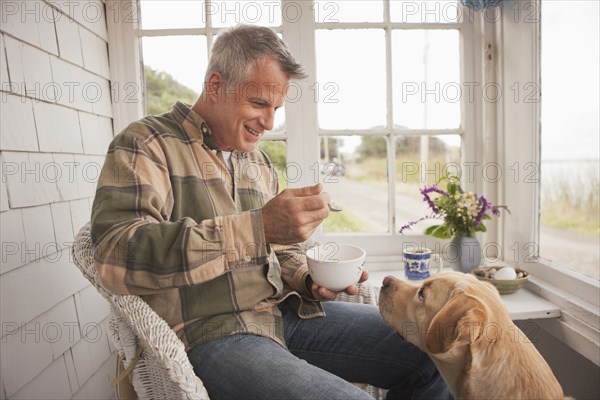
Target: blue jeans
351, 344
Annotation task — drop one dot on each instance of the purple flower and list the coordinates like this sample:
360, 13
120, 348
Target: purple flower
425, 192
485, 205
462, 213
410, 224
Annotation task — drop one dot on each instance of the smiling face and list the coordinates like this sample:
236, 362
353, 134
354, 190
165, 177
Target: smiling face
242, 113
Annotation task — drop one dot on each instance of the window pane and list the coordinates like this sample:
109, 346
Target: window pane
173, 78
410, 11
570, 170
279, 123
426, 79
353, 170
265, 13
350, 88
348, 11
165, 14
421, 161
276, 150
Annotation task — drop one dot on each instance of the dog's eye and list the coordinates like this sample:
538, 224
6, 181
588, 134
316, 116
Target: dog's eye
421, 294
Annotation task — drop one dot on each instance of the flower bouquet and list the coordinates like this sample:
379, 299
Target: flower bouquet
463, 212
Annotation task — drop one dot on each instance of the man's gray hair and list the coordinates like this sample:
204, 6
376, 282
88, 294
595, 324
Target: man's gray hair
238, 49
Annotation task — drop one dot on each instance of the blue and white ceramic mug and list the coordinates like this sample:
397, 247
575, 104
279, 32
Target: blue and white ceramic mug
417, 262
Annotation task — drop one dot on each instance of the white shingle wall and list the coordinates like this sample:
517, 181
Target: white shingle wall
56, 124
17, 124
53, 383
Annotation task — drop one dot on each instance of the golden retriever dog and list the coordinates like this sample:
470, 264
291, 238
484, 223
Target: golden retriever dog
463, 325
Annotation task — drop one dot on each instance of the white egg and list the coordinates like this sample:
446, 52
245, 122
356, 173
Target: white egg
506, 273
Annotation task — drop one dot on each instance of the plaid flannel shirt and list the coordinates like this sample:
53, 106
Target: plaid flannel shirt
170, 223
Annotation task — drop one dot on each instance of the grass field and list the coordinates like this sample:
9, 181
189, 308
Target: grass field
571, 200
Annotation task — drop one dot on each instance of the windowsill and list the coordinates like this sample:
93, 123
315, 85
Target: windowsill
522, 305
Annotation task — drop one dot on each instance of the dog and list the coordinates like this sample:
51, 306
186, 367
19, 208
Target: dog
464, 327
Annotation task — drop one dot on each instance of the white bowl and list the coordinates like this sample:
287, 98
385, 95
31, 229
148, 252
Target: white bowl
335, 266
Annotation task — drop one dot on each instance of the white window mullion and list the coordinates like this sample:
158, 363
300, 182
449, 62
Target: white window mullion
488, 52
209, 31
301, 109
390, 139
384, 25
171, 32
385, 131
521, 137
470, 107
125, 64
391, 143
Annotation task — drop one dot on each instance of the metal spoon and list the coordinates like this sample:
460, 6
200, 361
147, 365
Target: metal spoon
334, 207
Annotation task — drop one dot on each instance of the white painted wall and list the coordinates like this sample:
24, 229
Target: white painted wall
56, 124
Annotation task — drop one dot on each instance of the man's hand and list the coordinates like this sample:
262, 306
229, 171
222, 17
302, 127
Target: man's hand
323, 294
294, 214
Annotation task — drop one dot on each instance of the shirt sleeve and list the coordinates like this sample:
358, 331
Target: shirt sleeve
292, 259
294, 269
138, 250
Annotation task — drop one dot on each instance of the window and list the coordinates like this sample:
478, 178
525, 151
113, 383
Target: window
570, 170
168, 29
390, 111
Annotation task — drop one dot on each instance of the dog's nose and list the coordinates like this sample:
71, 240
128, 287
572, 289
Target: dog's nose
387, 281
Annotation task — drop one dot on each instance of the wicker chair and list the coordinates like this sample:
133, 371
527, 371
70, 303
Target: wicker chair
153, 356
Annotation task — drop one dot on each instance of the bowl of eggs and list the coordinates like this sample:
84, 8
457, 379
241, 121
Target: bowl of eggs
506, 279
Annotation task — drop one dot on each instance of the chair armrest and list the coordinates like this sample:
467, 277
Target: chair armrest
160, 344
366, 295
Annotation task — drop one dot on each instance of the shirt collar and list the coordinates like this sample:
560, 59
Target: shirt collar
194, 125
197, 128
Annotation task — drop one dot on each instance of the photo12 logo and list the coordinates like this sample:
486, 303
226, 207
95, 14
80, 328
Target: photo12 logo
52, 332
50, 172
265, 12
24, 11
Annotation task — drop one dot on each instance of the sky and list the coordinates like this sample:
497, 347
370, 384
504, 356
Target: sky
570, 71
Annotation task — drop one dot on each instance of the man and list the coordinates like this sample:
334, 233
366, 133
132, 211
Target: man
187, 216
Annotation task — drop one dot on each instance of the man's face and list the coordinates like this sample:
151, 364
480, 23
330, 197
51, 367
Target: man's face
246, 111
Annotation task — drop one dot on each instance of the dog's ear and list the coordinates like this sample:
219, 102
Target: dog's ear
461, 321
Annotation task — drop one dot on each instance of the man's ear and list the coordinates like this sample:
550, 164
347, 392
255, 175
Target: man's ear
214, 86
461, 321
